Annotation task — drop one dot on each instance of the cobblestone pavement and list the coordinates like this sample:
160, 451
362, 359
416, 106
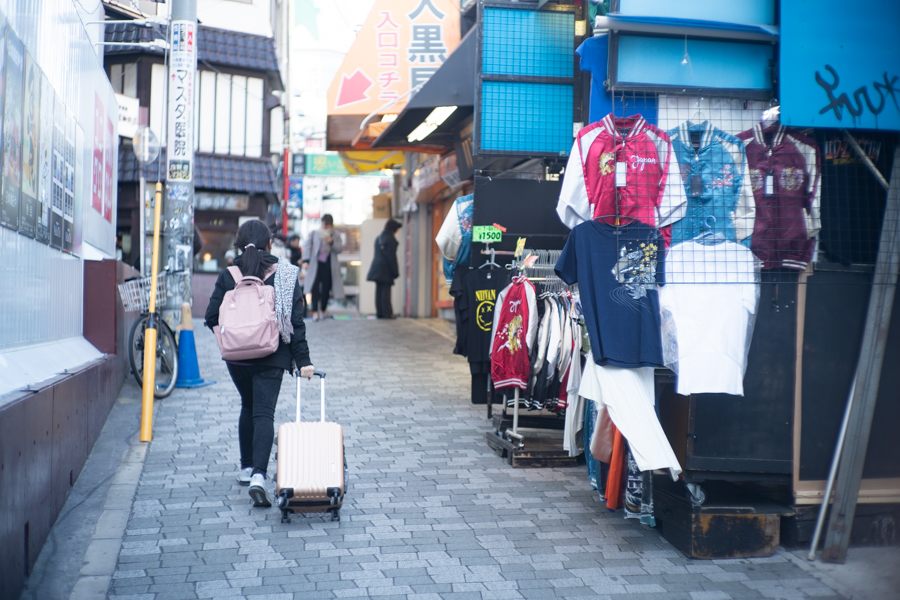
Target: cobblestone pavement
431, 512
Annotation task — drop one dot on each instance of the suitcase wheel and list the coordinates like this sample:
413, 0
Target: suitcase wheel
336, 514
285, 516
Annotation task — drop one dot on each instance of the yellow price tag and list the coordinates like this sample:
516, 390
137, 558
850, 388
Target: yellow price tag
520, 247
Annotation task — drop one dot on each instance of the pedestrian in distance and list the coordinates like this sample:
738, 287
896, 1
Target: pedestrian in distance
258, 380
384, 269
323, 275
296, 250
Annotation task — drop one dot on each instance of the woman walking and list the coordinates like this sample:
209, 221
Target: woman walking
384, 269
258, 380
323, 275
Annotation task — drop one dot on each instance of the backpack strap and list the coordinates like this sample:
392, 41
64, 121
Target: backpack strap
235, 274
270, 271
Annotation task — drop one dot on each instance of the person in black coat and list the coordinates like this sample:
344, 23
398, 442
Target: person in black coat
384, 269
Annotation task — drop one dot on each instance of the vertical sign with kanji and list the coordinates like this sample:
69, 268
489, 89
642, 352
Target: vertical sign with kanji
97, 165
180, 140
426, 51
109, 151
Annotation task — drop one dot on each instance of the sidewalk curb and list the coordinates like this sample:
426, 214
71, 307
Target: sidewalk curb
102, 553
430, 326
810, 568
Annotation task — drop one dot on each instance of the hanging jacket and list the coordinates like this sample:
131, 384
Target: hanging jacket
454, 239
653, 192
512, 334
787, 215
716, 182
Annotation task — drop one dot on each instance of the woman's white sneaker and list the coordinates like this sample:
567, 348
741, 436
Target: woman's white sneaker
244, 476
258, 490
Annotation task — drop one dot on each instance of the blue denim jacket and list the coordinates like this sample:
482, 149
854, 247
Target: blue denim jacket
725, 202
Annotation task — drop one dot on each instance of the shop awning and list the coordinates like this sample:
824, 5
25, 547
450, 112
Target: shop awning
688, 27
452, 86
368, 161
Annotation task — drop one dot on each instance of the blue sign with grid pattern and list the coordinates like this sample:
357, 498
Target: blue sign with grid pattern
527, 42
526, 94
526, 117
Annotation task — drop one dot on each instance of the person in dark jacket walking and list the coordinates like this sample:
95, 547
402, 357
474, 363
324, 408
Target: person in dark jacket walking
258, 380
384, 269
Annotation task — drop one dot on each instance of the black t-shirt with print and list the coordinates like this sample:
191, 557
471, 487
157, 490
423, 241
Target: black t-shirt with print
476, 291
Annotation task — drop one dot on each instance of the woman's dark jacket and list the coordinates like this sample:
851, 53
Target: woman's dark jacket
384, 267
298, 349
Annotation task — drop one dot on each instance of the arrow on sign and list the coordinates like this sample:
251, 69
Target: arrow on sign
353, 89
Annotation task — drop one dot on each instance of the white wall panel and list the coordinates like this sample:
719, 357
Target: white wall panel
255, 90
206, 115
276, 130
238, 114
158, 102
223, 113
129, 80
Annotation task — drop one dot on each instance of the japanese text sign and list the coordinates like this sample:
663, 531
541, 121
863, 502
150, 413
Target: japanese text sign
182, 69
401, 45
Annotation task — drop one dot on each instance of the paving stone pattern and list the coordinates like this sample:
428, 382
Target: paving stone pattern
431, 512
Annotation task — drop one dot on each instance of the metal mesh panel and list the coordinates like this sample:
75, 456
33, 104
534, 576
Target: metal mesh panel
722, 178
526, 87
522, 117
530, 43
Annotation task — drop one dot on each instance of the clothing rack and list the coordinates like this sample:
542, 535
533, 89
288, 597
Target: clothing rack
542, 271
506, 440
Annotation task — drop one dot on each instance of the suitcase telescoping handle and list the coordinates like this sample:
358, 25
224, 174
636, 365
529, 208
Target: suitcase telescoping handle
321, 376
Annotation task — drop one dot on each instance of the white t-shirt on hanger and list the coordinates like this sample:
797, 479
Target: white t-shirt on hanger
712, 293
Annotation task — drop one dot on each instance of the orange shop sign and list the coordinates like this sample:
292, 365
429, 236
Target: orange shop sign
401, 44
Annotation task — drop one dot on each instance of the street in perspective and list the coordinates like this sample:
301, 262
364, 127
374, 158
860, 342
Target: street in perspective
449, 300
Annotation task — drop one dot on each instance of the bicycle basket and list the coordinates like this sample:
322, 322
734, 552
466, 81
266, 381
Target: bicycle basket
136, 293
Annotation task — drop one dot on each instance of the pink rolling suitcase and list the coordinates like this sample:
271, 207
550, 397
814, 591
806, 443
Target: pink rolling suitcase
311, 465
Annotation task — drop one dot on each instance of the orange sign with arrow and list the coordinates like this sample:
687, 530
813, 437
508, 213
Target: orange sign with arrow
401, 45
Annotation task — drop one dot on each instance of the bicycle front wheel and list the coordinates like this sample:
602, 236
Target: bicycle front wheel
166, 356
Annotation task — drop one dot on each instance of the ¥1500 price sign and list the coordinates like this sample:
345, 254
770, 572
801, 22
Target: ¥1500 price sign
486, 233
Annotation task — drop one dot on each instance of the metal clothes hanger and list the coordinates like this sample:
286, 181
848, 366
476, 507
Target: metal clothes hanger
491, 263
709, 236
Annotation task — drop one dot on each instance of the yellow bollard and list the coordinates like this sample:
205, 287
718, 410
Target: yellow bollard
150, 332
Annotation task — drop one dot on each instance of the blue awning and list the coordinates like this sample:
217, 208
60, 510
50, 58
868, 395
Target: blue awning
690, 27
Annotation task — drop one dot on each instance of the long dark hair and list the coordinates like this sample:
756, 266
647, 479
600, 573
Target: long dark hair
252, 240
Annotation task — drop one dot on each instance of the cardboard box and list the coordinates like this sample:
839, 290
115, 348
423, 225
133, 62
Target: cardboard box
381, 206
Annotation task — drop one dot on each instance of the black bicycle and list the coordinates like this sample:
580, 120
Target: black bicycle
135, 294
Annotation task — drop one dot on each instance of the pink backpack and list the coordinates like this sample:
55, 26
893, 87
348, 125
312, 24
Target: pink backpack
247, 324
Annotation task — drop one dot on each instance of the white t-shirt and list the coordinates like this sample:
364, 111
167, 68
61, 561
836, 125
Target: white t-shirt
711, 292
627, 398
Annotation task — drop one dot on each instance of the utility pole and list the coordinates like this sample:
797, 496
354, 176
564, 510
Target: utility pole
178, 220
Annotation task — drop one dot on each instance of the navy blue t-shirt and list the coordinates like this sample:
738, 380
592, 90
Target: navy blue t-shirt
617, 270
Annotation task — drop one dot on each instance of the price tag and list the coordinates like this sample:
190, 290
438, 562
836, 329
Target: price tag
770, 185
696, 186
520, 247
486, 233
621, 171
